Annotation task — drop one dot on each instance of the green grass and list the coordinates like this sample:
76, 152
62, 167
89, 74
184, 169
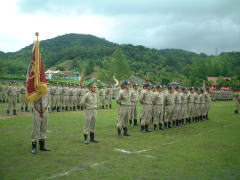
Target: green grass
207, 150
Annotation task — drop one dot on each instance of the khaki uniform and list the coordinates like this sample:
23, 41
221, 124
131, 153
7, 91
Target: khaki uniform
40, 119
102, 94
190, 103
123, 100
201, 104
158, 104
146, 101
169, 107
12, 92
66, 98
90, 101
109, 97
184, 110
177, 107
196, 105
134, 95
55, 93
23, 91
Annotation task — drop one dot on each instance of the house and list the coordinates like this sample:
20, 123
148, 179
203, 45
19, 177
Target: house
66, 75
214, 80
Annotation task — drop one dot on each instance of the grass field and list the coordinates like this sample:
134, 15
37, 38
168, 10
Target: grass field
208, 150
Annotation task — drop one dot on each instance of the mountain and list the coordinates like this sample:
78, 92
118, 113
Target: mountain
89, 54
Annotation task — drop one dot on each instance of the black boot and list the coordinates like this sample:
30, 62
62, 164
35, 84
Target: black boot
146, 128
169, 125
74, 108
119, 132
70, 108
143, 128
21, 109
135, 122
7, 112
26, 109
177, 123
102, 106
165, 125
14, 112
207, 116
140, 120
86, 139
161, 126
42, 145
110, 106
66, 108
106, 106
92, 137
81, 107
58, 109
155, 127
125, 132
34, 147
130, 122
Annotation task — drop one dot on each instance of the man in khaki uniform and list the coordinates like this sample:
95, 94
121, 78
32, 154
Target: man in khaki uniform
237, 102
184, 110
90, 101
169, 107
158, 104
102, 94
123, 99
207, 102
201, 104
196, 105
177, 107
56, 97
12, 92
109, 97
40, 122
190, 103
146, 101
134, 95
23, 91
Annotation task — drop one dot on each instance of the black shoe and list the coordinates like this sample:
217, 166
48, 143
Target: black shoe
169, 125
14, 112
135, 122
86, 139
106, 106
119, 132
165, 125
125, 132
143, 128
42, 145
92, 137
146, 128
7, 112
140, 120
81, 107
155, 127
34, 147
21, 109
130, 122
161, 126
26, 109
110, 106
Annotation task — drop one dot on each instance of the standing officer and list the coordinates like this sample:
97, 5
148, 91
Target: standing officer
102, 94
169, 107
197, 105
23, 91
158, 104
146, 101
90, 101
123, 100
133, 104
12, 92
177, 107
190, 103
184, 111
40, 122
109, 97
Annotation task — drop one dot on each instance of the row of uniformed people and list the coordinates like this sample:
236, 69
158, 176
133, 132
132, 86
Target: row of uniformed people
164, 108
223, 95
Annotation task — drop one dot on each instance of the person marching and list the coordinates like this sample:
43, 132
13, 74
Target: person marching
37, 91
169, 107
12, 92
123, 100
134, 95
90, 101
23, 91
146, 101
158, 104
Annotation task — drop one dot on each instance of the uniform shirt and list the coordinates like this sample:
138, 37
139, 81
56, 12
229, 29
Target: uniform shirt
184, 98
202, 98
134, 96
196, 99
89, 100
191, 98
145, 97
158, 98
178, 98
170, 99
123, 98
66, 91
12, 91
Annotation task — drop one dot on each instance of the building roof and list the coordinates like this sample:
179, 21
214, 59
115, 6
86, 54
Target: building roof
214, 79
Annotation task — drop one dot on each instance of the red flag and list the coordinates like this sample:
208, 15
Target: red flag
36, 78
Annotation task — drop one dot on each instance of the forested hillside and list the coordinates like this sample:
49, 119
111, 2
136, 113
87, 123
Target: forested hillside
94, 56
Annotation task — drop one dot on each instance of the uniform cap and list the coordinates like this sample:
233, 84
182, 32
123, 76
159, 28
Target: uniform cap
170, 87
146, 85
125, 83
159, 86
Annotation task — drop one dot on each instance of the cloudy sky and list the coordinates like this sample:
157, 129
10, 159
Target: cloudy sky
194, 25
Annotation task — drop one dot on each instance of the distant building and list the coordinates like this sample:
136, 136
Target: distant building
174, 83
215, 79
66, 75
